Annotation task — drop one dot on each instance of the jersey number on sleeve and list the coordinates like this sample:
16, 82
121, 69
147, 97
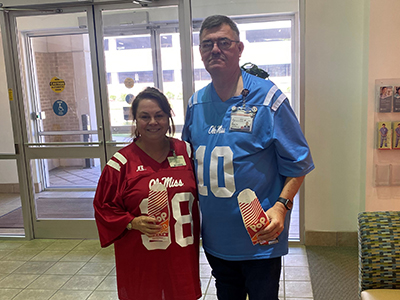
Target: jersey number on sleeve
219, 191
180, 221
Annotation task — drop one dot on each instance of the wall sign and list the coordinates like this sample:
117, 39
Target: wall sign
129, 82
57, 84
60, 108
10, 95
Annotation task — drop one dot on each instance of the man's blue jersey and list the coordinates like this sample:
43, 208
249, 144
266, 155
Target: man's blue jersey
228, 161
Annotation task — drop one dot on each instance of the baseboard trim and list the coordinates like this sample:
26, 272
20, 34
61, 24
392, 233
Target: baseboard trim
331, 238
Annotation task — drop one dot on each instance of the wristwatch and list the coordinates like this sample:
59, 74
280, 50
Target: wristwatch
129, 226
287, 202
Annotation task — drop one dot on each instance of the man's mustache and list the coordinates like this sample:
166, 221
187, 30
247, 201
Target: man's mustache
216, 56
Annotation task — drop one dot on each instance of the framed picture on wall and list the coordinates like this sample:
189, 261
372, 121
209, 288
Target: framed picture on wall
385, 98
396, 135
396, 99
384, 135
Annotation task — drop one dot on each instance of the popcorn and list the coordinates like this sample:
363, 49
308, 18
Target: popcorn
254, 217
158, 208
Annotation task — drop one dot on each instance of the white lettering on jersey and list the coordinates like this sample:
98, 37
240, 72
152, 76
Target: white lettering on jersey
228, 172
168, 182
216, 129
181, 220
140, 168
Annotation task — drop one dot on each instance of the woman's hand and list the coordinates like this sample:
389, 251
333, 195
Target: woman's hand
146, 225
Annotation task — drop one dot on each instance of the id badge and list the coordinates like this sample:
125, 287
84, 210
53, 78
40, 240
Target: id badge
176, 161
241, 120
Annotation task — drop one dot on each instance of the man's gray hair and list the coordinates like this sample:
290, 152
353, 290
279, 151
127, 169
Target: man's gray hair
216, 21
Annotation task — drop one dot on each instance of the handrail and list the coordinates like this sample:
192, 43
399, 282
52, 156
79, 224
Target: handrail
72, 132
117, 143
64, 144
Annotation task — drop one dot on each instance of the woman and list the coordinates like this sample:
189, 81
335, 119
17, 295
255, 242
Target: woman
146, 204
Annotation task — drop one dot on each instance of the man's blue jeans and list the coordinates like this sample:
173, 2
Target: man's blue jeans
258, 278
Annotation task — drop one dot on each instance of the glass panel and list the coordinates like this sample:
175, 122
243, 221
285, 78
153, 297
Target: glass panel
137, 43
172, 79
64, 188
70, 172
59, 105
269, 46
266, 44
59, 93
201, 76
131, 70
294, 229
11, 221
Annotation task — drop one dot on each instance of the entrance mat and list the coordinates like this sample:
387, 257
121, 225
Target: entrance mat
13, 219
52, 208
65, 208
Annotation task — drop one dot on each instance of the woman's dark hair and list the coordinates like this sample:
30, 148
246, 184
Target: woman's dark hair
216, 21
162, 101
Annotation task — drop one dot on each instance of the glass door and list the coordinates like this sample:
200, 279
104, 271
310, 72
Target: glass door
73, 83
142, 47
60, 117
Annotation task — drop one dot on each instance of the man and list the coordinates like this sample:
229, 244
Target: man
268, 160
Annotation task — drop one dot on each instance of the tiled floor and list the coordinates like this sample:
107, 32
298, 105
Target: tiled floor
80, 269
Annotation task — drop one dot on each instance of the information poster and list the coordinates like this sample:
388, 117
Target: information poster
396, 99
396, 135
385, 98
384, 135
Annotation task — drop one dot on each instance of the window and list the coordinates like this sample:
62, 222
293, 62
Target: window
166, 41
139, 42
282, 70
168, 76
139, 76
268, 35
267, 44
201, 74
196, 38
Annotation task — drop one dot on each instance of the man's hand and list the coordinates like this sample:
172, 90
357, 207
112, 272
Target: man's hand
147, 225
276, 215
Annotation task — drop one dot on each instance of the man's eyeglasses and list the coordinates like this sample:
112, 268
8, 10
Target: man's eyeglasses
222, 43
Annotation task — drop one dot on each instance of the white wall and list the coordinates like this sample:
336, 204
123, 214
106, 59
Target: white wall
384, 63
349, 44
334, 74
